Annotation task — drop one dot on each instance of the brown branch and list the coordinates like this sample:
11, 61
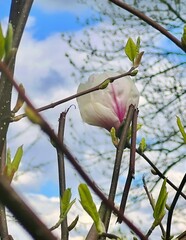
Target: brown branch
119, 154
131, 169
23, 213
149, 21
61, 173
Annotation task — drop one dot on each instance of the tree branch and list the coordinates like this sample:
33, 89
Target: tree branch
149, 21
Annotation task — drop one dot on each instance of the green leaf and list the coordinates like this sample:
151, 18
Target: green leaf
181, 128
142, 145
65, 206
17, 159
65, 203
104, 84
137, 60
129, 134
90, 207
20, 101
114, 137
9, 39
138, 42
159, 210
33, 116
2, 43
131, 50
73, 224
12, 166
183, 38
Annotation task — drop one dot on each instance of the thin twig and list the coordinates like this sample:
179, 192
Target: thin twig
48, 130
160, 174
170, 213
131, 170
149, 21
93, 89
23, 213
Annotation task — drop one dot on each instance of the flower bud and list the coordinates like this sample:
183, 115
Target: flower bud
107, 107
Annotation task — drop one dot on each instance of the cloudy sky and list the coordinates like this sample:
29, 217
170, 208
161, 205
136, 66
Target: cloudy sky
46, 74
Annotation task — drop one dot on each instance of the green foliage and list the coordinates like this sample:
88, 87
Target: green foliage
104, 84
183, 38
65, 206
6, 42
181, 128
9, 39
33, 116
114, 137
65, 203
160, 206
13, 165
73, 224
90, 207
132, 51
2, 43
142, 145
20, 101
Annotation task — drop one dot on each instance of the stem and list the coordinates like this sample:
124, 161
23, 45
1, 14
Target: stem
131, 170
19, 13
61, 173
3, 220
117, 165
170, 213
149, 21
48, 130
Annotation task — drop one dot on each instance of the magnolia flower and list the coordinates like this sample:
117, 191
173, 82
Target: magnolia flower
108, 107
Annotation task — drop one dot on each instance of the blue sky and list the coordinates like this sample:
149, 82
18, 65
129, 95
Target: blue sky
49, 22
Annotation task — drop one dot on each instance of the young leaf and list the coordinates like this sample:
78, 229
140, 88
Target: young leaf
183, 38
90, 207
159, 210
12, 166
181, 128
113, 137
137, 60
142, 145
2, 43
138, 45
73, 224
131, 50
65, 203
17, 159
33, 116
20, 101
8, 39
104, 84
